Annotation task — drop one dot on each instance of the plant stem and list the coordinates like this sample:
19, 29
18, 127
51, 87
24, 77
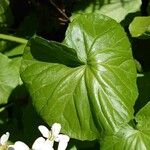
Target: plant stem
13, 38
60, 11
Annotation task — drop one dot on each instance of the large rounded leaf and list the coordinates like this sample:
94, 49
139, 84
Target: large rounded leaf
89, 85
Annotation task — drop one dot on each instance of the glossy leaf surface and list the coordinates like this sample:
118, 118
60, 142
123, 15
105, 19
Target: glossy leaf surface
84, 83
130, 138
116, 9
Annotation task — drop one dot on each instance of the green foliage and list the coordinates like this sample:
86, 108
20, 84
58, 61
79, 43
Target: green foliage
16, 52
6, 20
9, 77
143, 119
140, 26
116, 9
6, 17
130, 138
58, 76
78, 69
3, 45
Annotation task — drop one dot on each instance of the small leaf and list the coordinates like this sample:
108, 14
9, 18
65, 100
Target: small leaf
15, 52
73, 148
89, 78
116, 9
8, 78
9, 72
140, 26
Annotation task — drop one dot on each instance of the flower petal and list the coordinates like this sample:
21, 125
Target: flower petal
4, 138
48, 145
20, 146
44, 131
39, 142
62, 137
63, 141
62, 145
56, 127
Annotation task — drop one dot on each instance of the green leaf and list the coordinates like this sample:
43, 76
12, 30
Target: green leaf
3, 45
8, 78
130, 138
73, 148
143, 119
127, 138
6, 17
9, 72
116, 9
16, 52
89, 79
138, 65
140, 26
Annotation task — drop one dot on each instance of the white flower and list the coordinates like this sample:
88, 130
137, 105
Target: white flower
63, 141
50, 134
4, 138
3, 141
18, 146
42, 144
39, 144
53, 135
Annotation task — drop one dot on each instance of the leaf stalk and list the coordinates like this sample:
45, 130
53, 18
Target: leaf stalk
13, 38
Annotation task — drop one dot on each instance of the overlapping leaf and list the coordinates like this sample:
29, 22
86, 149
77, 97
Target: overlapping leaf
116, 9
130, 138
8, 78
9, 72
140, 26
88, 84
